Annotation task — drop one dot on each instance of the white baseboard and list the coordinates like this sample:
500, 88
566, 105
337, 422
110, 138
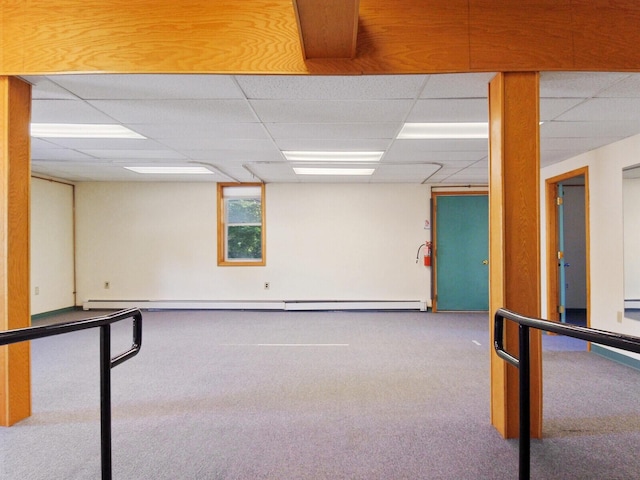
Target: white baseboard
297, 305
632, 303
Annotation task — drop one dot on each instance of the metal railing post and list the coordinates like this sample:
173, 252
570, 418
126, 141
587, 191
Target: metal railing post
105, 400
525, 403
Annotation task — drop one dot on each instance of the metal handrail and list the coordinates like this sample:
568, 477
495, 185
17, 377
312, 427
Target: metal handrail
522, 363
106, 362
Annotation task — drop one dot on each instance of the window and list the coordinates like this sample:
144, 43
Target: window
241, 235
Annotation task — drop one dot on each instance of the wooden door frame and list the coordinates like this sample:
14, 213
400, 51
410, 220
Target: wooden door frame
434, 221
552, 240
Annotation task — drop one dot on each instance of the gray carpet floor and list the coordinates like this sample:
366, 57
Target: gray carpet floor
313, 395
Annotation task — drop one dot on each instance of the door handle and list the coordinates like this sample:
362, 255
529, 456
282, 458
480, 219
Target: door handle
485, 262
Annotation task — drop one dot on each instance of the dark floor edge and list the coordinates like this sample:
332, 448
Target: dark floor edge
615, 356
51, 313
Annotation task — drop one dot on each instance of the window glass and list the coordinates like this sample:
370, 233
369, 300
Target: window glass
241, 224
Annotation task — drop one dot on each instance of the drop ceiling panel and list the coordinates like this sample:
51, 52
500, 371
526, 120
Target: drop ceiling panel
332, 145
67, 111
316, 111
273, 172
613, 129
176, 111
332, 87
434, 151
149, 87
197, 131
463, 85
552, 108
332, 130
234, 155
449, 110
416, 173
62, 154
132, 154
609, 109
576, 84
215, 143
207, 118
629, 87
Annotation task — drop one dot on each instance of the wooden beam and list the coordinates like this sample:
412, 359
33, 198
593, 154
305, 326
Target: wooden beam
514, 236
15, 384
261, 36
328, 28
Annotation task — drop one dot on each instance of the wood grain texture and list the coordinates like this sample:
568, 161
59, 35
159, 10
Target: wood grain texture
514, 236
328, 28
606, 33
15, 108
513, 35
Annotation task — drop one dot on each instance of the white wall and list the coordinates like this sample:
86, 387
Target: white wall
606, 228
631, 196
51, 246
157, 241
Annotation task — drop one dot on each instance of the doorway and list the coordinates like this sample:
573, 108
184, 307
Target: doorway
567, 202
461, 249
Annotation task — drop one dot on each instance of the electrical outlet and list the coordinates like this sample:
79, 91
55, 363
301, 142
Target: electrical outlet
266, 285
37, 290
619, 317
107, 285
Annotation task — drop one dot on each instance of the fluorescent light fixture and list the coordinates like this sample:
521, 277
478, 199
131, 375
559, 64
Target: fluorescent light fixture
319, 156
81, 130
172, 170
444, 130
334, 171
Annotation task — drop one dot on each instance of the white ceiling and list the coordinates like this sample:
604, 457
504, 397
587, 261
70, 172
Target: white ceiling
239, 125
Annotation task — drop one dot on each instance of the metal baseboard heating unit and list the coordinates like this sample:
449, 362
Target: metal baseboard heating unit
294, 305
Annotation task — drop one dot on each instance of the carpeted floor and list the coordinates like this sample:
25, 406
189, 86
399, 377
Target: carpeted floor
313, 395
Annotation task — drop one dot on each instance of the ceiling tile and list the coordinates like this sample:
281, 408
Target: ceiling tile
332, 130
176, 111
317, 111
149, 87
459, 85
454, 110
202, 130
67, 111
605, 109
334, 145
356, 87
613, 129
576, 84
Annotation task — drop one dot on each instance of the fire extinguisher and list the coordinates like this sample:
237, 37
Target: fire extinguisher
427, 254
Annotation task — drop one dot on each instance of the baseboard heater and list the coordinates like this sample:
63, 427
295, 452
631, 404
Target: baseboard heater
298, 305
633, 303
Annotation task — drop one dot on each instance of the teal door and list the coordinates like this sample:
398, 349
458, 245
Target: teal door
462, 250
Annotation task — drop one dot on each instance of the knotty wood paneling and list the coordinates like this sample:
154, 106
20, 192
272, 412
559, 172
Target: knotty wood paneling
15, 108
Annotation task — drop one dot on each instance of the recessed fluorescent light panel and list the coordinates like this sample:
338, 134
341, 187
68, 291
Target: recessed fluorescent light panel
81, 130
172, 170
317, 156
334, 171
435, 131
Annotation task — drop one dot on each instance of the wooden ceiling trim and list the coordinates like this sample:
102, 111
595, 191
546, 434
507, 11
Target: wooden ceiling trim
328, 28
262, 36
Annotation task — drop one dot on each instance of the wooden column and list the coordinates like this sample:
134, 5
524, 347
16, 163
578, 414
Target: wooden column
15, 172
514, 236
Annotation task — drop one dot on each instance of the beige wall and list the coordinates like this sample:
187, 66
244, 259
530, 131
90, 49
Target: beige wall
51, 246
157, 241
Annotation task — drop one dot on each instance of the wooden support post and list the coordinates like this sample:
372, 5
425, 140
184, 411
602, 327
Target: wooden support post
15, 172
514, 236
